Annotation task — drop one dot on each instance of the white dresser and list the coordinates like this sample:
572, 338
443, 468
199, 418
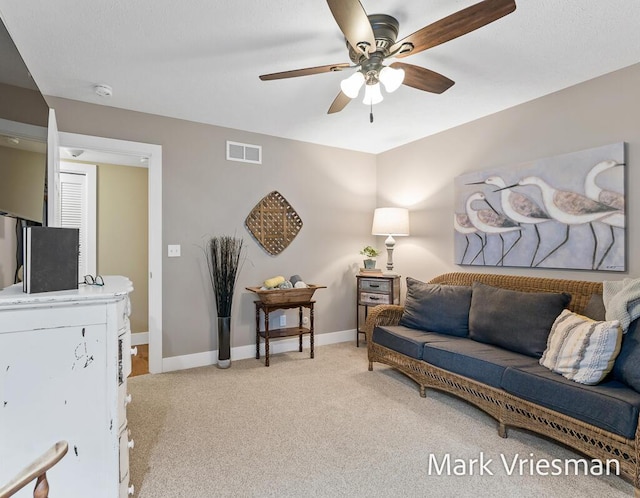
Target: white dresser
64, 361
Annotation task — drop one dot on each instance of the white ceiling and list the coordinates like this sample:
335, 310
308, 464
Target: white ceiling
200, 61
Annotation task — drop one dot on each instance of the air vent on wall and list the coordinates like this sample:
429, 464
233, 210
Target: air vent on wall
245, 153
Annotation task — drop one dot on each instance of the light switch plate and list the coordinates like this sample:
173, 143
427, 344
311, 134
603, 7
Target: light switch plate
173, 251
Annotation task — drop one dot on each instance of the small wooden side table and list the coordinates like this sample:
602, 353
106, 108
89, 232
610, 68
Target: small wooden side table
268, 334
372, 291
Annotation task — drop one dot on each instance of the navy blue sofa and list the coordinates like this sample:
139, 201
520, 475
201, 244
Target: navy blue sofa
496, 372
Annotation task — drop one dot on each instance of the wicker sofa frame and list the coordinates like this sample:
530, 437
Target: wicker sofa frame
507, 409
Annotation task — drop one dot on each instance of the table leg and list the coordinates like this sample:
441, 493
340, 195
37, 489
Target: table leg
300, 327
311, 327
266, 338
257, 332
357, 325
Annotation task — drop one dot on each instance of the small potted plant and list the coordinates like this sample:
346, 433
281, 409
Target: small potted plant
370, 254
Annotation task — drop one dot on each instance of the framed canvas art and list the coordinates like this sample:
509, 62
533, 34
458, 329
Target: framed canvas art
565, 212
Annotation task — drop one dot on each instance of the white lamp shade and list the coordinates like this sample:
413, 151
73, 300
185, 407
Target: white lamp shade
351, 85
372, 94
391, 78
390, 221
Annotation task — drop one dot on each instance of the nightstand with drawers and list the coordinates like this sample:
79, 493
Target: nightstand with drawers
372, 291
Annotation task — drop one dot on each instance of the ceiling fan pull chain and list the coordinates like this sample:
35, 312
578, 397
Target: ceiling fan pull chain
371, 113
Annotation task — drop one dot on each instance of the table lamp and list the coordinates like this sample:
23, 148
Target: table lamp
390, 221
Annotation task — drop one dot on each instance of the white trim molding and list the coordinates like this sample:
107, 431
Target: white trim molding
154, 153
139, 338
208, 358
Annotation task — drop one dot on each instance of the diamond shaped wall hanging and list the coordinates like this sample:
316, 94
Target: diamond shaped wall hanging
273, 223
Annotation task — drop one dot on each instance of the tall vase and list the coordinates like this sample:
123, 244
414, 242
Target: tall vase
224, 342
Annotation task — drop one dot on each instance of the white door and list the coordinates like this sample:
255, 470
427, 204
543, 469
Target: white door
78, 210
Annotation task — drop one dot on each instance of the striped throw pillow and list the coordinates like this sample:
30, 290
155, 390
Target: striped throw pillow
582, 349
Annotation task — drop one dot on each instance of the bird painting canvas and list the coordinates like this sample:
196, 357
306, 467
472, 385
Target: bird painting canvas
565, 211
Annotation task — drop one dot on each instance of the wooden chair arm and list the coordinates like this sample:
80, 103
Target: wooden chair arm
37, 469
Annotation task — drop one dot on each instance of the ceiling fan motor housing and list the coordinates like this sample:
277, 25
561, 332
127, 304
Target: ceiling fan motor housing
385, 31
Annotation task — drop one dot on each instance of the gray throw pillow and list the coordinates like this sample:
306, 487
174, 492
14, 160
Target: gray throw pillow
627, 366
595, 308
437, 308
514, 320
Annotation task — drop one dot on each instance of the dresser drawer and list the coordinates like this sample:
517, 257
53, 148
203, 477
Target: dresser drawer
373, 298
123, 310
375, 285
125, 444
124, 356
123, 400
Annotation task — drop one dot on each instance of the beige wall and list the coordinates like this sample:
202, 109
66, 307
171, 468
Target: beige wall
122, 236
333, 190
23, 105
420, 175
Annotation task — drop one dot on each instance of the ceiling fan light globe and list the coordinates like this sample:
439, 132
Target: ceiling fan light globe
351, 85
372, 95
391, 78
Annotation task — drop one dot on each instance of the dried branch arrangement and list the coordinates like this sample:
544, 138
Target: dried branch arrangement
224, 260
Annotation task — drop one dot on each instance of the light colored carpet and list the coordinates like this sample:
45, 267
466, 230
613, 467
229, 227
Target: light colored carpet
325, 427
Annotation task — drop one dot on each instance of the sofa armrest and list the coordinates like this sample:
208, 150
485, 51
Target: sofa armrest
383, 314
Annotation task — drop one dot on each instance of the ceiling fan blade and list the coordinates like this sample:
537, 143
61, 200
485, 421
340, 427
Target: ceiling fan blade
455, 25
339, 103
304, 72
354, 23
423, 79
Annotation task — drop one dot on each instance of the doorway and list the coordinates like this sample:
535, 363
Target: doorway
153, 155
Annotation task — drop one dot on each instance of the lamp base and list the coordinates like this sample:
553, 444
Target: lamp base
390, 243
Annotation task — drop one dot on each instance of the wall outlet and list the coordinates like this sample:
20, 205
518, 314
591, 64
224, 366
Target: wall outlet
283, 320
173, 251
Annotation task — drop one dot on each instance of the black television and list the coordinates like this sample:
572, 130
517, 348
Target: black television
24, 116
23, 138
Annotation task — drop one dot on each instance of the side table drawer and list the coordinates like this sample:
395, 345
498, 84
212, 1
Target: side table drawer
373, 298
375, 285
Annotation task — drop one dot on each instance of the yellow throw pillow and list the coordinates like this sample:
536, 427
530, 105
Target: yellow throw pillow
582, 349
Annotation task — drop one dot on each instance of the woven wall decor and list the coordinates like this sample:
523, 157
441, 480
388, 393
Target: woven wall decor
273, 223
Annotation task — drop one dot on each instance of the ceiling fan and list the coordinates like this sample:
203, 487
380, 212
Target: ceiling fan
372, 38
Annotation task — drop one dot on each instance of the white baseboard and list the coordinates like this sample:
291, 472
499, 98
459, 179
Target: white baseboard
207, 358
139, 338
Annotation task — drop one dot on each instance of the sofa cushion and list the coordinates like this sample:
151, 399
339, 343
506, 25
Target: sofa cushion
595, 308
582, 349
405, 340
437, 308
610, 405
514, 320
482, 362
627, 366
